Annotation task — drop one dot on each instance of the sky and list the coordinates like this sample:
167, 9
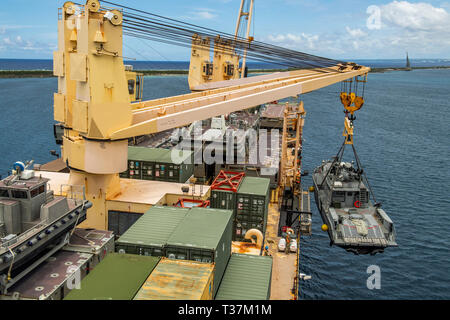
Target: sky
340, 29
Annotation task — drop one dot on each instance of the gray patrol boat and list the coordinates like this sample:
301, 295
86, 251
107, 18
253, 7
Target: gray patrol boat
34, 223
353, 222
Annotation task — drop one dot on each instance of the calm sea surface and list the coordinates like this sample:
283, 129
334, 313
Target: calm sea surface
402, 137
35, 64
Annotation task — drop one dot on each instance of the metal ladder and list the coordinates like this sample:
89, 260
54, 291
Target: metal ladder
363, 197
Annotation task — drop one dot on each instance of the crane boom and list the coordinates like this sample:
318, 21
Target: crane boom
160, 115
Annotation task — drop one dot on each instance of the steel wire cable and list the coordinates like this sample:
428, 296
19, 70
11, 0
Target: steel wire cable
145, 25
187, 34
187, 37
261, 55
137, 32
131, 34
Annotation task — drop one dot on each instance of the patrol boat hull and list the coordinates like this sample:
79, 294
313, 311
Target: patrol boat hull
34, 223
352, 221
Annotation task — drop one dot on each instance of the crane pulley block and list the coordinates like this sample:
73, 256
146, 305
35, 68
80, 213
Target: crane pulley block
350, 99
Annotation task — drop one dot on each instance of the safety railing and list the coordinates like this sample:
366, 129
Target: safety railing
74, 192
24, 235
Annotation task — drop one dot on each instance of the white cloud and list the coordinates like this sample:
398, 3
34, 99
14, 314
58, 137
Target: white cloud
206, 15
13, 43
18, 43
415, 16
290, 40
5, 28
399, 26
389, 31
202, 14
355, 32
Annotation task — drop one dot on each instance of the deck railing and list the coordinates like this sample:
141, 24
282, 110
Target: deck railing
74, 192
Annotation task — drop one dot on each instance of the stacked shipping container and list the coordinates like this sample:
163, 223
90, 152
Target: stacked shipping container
179, 280
149, 235
197, 234
249, 200
247, 277
252, 206
117, 277
159, 164
204, 235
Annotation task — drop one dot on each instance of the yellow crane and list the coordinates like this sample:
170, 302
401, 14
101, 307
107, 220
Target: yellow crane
94, 105
225, 64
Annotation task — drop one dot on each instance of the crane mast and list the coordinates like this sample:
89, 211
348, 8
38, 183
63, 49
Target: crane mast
225, 63
247, 16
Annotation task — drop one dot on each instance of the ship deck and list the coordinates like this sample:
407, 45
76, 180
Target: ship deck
284, 268
135, 191
285, 265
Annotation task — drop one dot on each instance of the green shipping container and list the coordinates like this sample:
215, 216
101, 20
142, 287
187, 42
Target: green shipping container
158, 164
148, 236
252, 206
174, 170
117, 277
134, 169
247, 277
148, 171
204, 236
223, 199
140, 158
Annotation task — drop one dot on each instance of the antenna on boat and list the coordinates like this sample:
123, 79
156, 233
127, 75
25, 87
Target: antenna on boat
18, 168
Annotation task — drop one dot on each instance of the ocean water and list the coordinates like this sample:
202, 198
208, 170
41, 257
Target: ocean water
35, 64
31, 64
402, 138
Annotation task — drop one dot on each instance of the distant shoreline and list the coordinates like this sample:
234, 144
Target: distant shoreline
382, 70
11, 74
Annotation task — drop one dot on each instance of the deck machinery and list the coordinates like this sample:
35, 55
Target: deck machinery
94, 106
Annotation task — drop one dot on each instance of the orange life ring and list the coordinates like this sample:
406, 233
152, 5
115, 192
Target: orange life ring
357, 204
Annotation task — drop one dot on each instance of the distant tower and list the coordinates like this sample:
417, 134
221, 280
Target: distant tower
408, 64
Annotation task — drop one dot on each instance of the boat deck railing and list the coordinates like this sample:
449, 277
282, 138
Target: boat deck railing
24, 235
